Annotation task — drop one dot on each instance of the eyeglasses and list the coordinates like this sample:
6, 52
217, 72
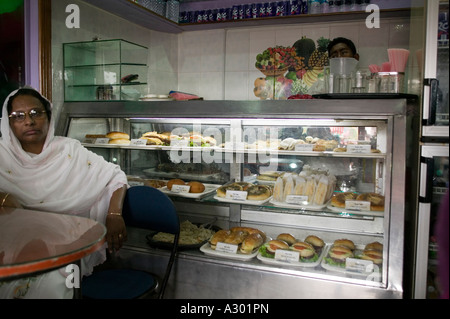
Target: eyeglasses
33, 114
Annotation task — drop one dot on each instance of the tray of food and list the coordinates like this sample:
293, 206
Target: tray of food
243, 193
343, 255
192, 189
239, 243
286, 250
192, 236
362, 203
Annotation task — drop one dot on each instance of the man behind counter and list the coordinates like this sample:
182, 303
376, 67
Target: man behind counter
342, 48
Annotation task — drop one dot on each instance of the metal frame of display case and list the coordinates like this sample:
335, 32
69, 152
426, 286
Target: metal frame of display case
196, 275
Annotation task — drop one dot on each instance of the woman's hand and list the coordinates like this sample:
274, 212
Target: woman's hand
116, 232
8, 200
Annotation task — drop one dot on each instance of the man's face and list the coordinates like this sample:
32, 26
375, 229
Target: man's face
341, 50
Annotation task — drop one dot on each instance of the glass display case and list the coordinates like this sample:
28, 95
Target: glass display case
104, 70
326, 168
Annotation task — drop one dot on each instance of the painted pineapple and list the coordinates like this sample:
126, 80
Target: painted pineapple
319, 58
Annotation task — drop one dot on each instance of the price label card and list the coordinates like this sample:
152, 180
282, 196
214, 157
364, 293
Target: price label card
357, 205
358, 265
182, 189
101, 140
89, 140
226, 248
297, 199
352, 148
236, 195
304, 147
179, 143
138, 142
287, 255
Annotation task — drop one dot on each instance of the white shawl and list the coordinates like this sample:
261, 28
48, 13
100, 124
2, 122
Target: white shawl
64, 178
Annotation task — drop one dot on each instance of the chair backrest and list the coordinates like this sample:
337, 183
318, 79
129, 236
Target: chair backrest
149, 208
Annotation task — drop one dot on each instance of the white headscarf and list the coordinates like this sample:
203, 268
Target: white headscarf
64, 178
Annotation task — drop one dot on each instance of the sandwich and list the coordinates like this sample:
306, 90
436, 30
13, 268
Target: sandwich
268, 250
337, 255
306, 251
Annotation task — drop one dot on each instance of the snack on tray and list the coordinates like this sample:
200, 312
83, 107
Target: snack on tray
338, 199
376, 200
286, 237
247, 239
120, 138
190, 234
254, 192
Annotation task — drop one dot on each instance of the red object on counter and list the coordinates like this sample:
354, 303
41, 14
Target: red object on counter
301, 97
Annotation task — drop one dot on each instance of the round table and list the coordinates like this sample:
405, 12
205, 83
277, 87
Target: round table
34, 241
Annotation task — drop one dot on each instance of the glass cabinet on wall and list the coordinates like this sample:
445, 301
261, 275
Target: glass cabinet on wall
322, 169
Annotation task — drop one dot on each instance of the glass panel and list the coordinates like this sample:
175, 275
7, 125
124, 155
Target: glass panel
442, 111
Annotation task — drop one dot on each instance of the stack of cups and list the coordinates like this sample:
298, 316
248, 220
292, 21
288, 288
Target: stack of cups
339, 77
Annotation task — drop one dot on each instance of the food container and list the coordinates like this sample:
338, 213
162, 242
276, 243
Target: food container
390, 82
343, 65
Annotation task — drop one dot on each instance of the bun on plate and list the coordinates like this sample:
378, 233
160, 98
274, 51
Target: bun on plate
375, 256
119, 141
116, 134
250, 230
219, 237
376, 200
258, 192
374, 246
288, 238
196, 187
338, 200
276, 244
175, 181
251, 242
339, 253
236, 237
306, 250
316, 242
345, 242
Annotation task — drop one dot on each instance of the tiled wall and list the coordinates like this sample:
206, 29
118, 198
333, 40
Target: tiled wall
214, 64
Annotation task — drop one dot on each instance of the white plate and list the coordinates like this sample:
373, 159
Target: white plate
209, 188
206, 249
355, 212
358, 250
295, 206
243, 202
273, 261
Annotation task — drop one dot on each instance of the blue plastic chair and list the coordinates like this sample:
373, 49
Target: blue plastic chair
148, 208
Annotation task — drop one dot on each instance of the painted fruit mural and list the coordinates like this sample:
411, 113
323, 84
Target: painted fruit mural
290, 70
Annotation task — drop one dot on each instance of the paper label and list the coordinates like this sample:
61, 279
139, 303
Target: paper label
182, 189
138, 142
226, 248
101, 140
304, 147
357, 205
89, 140
287, 255
236, 195
358, 265
352, 148
297, 199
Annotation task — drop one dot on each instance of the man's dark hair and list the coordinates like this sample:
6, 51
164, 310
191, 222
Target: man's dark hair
348, 42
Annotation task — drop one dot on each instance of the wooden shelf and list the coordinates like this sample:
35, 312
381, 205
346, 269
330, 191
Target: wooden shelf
139, 15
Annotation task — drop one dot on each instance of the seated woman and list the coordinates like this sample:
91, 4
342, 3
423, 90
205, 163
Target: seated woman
41, 171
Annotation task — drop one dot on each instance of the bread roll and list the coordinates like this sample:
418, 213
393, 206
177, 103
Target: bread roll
258, 192
250, 230
117, 135
196, 187
375, 256
174, 181
374, 246
316, 242
288, 238
119, 141
345, 242
376, 201
219, 237
251, 242
152, 140
236, 237
338, 200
